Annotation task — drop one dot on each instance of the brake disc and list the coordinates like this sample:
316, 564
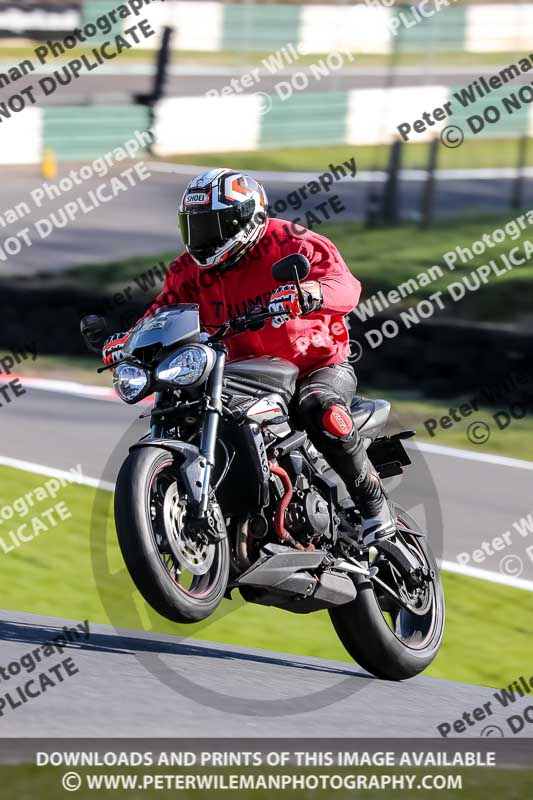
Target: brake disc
192, 552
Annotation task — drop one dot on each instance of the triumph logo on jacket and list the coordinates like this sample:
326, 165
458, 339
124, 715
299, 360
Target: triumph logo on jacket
235, 309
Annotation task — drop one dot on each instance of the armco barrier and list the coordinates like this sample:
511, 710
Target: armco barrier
439, 358
79, 133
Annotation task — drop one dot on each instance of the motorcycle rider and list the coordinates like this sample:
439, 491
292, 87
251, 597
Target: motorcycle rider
231, 245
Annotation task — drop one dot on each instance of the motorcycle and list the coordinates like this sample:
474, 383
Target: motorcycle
225, 494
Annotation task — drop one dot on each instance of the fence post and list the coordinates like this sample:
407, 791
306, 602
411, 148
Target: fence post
390, 212
517, 194
164, 55
428, 194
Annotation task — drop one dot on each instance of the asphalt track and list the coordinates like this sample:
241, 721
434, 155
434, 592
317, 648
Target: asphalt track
118, 83
136, 684
142, 221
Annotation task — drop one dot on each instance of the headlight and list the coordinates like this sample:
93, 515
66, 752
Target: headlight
187, 367
130, 382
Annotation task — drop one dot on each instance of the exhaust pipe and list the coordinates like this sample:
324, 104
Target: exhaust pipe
284, 576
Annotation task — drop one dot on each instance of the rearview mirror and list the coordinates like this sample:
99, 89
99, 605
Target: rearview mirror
291, 268
94, 331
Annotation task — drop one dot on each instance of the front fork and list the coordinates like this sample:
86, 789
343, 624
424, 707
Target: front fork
208, 440
213, 412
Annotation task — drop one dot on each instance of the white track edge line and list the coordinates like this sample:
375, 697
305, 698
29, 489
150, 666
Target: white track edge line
485, 575
97, 393
470, 455
52, 472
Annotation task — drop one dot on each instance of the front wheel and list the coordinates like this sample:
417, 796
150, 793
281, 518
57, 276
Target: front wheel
181, 575
389, 639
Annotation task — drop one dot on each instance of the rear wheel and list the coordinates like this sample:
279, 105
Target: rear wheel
394, 638
181, 575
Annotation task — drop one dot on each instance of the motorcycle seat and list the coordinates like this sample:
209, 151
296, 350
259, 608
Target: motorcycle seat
369, 416
268, 371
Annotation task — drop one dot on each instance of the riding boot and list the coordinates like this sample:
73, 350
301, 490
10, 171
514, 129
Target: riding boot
352, 464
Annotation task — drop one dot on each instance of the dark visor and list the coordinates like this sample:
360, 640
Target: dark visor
204, 232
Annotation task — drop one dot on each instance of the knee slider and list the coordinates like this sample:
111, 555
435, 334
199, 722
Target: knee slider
337, 421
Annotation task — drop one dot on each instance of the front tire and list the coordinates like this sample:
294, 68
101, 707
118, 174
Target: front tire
182, 577
408, 643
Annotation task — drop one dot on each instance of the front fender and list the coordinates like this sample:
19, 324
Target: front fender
192, 467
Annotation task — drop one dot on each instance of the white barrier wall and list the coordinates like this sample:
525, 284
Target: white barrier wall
499, 28
374, 114
362, 27
207, 124
21, 137
17, 21
197, 26
359, 27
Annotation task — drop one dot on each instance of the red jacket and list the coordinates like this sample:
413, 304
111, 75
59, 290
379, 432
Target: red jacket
309, 342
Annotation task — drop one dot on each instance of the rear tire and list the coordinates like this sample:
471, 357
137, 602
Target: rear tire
143, 541
368, 638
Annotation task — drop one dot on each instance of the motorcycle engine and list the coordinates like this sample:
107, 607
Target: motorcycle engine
307, 516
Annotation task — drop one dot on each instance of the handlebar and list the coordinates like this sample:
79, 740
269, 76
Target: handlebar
254, 319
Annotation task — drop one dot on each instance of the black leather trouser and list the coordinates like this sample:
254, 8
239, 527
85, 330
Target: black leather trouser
323, 408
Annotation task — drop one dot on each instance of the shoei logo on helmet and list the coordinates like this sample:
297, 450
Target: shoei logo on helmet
197, 199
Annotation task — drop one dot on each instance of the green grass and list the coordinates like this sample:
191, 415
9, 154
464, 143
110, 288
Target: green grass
15, 54
515, 440
75, 570
480, 153
385, 258
69, 368
27, 782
